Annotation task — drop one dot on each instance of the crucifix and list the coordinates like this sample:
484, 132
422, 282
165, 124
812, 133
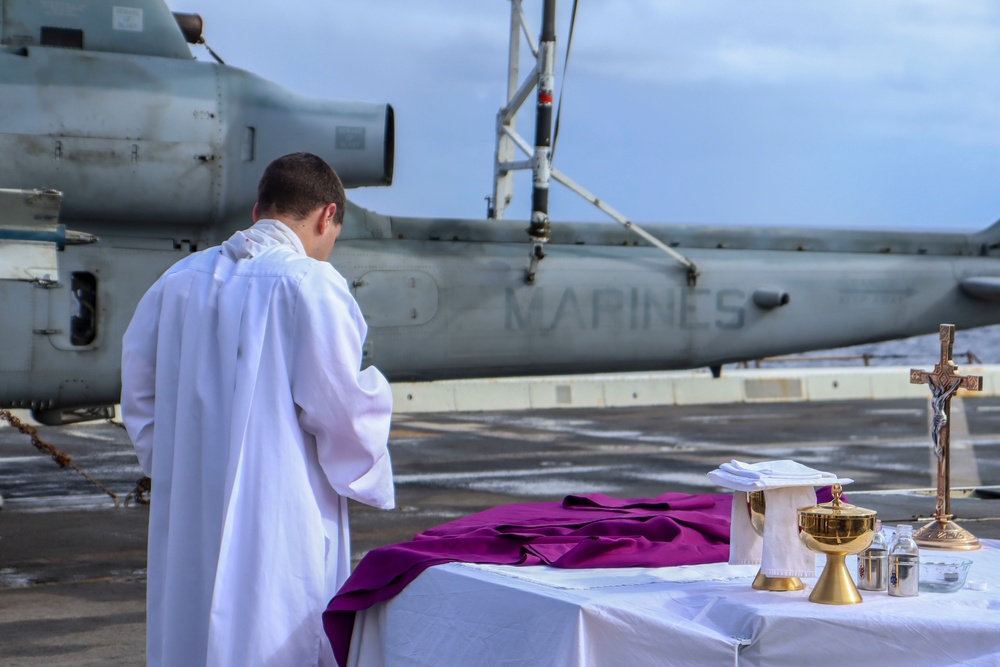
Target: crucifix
944, 382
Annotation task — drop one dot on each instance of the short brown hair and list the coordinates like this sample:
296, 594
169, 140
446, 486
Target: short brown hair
299, 183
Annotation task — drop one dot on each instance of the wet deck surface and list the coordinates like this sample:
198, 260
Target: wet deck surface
72, 566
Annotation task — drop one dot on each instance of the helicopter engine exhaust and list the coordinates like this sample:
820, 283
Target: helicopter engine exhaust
171, 139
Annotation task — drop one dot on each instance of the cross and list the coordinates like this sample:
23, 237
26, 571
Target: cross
944, 382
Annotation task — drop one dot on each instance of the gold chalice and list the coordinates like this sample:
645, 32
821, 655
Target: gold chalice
836, 529
762, 582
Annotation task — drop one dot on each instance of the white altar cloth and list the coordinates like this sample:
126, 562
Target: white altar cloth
465, 615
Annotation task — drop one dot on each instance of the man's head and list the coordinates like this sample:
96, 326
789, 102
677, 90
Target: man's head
304, 192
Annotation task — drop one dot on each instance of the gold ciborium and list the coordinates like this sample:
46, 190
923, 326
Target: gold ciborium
836, 529
756, 508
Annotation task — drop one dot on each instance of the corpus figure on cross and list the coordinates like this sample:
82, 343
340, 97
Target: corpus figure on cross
944, 382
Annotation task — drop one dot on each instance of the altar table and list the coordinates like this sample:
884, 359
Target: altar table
466, 615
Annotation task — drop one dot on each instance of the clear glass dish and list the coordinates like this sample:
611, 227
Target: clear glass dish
943, 574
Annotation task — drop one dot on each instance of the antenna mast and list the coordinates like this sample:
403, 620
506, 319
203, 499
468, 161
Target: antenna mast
542, 77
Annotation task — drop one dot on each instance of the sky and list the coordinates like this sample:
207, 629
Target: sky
827, 113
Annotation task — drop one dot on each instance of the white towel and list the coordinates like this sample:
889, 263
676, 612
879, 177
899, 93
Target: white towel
787, 486
784, 555
779, 552
740, 483
771, 469
744, 543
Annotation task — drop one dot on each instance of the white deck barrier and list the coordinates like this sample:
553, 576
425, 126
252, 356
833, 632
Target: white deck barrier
617, 390
675, 388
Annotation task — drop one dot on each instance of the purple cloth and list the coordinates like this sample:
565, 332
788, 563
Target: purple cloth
582, 531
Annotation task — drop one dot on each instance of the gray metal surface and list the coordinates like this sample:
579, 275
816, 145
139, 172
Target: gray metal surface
140, 28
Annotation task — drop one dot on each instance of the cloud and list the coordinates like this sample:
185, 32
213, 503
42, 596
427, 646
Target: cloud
711, 110
781, 42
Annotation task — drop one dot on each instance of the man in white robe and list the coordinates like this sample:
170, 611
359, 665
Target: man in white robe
243, 394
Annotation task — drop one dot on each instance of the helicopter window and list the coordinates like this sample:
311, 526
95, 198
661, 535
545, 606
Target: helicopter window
83, 324
66, 38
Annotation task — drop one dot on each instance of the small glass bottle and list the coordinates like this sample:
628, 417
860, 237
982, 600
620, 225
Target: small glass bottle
873, 563
904, 564
891, 541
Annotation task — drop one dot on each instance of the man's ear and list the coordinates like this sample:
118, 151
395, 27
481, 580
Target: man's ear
329, 215
256, 213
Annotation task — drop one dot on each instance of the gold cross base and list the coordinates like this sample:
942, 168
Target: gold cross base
945, 534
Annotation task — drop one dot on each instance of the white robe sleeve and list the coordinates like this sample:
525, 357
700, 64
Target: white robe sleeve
139, 375
347, 410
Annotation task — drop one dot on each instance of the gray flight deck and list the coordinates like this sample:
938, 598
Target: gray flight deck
72, 566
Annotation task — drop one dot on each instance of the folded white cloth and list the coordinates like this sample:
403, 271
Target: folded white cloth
740, 476
744, 543
779, 551
787, 486
784, 554
784, 468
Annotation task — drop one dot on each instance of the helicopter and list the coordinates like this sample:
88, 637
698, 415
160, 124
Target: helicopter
127, 153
